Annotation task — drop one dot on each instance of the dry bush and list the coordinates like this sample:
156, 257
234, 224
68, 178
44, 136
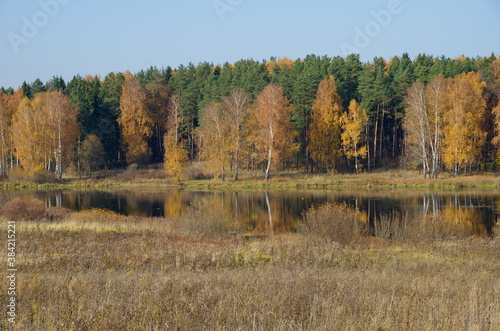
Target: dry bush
17, 174
28, 210
208, 218
391, 226
337, 222
43, 177
195, 171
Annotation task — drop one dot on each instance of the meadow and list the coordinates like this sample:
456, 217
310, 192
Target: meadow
96, 270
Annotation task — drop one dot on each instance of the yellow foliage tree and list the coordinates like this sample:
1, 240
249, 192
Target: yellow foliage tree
8, 106
354, 123
236, 109
135, 121
464, 136
175, 155
325, 129
44, 132
214, 132
26, 134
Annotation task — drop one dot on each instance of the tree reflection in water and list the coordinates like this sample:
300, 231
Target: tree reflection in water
279, 211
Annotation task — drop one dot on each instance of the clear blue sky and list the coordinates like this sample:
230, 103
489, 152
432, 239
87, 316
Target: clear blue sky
99, 36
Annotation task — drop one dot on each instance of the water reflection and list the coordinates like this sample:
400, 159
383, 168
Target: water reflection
279, 211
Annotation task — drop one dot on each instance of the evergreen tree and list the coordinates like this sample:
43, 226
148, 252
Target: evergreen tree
57, 84
26, 88
109, 132
37, 86
308, 75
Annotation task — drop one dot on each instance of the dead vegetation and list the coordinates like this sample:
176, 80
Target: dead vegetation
97, 270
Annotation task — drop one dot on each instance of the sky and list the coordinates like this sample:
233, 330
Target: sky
46, 38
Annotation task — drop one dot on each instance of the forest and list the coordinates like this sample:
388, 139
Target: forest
316, 114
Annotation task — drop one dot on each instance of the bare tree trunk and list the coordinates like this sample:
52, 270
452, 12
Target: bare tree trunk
375, 135
59, 154
268, 167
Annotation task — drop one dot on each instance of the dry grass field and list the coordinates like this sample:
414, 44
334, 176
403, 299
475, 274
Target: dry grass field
96, 270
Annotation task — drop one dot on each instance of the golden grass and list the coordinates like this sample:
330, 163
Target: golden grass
97, 270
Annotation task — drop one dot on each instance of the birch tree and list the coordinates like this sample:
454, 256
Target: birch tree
175, 155
236, 103
135, 121
8, 106
325, 130
62, 128
274, 132
44, 132
354, 123
463, 132
214, 133
423, 123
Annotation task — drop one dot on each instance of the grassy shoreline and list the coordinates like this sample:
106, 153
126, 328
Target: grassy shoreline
96, 270
389, 180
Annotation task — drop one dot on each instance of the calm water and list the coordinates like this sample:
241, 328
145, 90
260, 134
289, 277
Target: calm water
281, 210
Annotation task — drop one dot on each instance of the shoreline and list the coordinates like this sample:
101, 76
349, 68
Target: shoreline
384, 180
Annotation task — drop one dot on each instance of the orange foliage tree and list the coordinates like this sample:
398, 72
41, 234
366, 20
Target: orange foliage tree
273, 130
135, 121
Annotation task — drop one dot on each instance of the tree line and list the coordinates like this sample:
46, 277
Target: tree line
314, 114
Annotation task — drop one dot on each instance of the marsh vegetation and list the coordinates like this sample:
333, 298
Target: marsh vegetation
97, 270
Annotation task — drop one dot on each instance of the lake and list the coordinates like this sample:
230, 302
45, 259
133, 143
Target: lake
280, 211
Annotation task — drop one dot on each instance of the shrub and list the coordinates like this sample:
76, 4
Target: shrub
206, 218
58, 213
42, 177
337, 222
17, 174
194, 171
28, 210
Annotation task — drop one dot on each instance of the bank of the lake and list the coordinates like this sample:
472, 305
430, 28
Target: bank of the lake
391, 179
